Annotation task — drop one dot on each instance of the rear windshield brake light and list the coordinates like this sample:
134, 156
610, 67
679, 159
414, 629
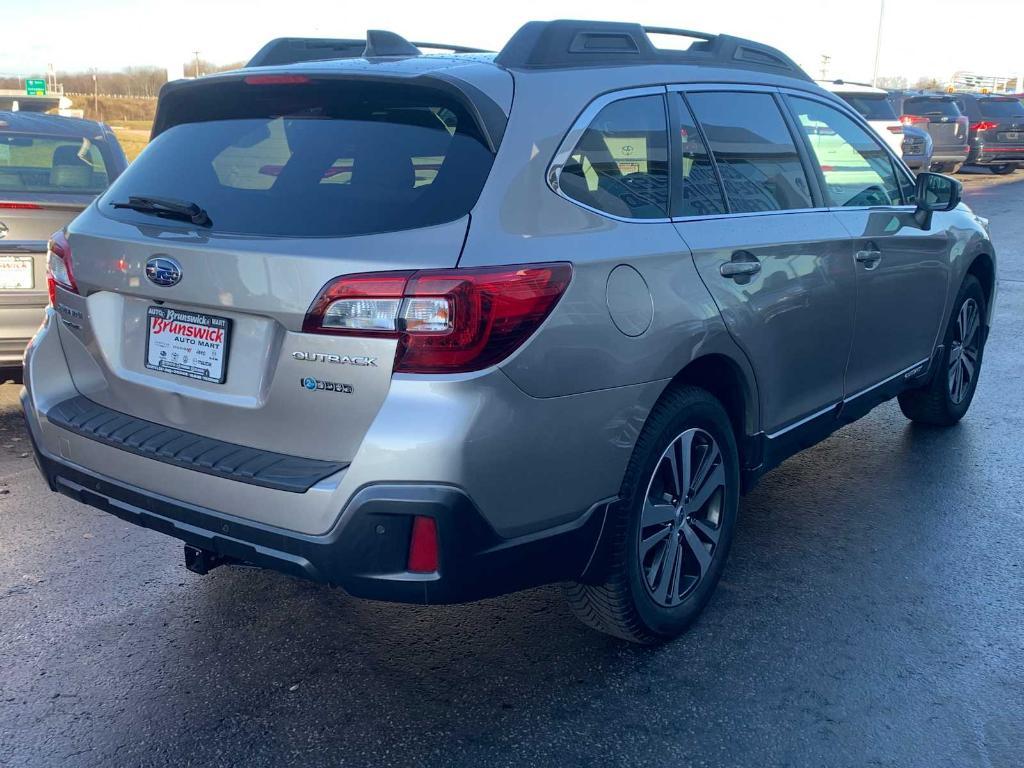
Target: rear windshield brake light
276, 79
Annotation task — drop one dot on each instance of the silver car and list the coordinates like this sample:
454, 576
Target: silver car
436, 328
50, 169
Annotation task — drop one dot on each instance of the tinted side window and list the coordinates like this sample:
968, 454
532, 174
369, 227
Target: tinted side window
857, 171
620, 164
754, 150
700, 194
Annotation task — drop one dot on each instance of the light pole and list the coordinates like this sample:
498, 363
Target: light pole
197, 62
878, 43
95, 97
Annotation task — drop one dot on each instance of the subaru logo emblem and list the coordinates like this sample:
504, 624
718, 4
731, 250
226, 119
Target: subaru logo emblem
163, 271
309, 383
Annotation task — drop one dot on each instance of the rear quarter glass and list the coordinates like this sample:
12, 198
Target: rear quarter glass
332, 159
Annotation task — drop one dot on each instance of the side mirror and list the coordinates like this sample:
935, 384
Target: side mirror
936, 192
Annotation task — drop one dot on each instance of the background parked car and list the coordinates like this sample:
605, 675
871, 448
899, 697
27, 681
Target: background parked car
946, 124
51, 168
917, 148
874, 106
996, 130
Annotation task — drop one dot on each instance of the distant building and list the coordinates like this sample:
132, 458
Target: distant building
972, 81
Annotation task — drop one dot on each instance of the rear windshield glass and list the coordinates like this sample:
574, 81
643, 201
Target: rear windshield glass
931, 107
32, 163
871, 106
316, 160
1001, 108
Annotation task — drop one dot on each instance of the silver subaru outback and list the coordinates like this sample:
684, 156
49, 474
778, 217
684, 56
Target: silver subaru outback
433, 328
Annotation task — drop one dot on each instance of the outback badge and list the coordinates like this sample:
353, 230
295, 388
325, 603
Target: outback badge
317, 385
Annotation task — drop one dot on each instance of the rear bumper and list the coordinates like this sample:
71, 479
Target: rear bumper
992, 154
954, 154
366, 552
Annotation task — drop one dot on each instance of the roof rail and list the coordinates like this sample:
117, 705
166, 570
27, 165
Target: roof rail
378, 42
570, 43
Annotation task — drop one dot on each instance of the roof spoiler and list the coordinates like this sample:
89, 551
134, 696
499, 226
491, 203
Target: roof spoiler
569, 43
378, 42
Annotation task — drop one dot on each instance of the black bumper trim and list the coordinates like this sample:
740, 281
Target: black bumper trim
365, 554
190, 451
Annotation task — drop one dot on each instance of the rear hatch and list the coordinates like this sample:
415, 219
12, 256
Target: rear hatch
1002, 121
197, 322
45, 181
940, 116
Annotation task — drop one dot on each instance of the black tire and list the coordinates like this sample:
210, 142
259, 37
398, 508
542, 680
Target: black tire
1003, 168
941, 167
935, 404
625, 604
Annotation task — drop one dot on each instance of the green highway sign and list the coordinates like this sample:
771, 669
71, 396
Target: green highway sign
35, 87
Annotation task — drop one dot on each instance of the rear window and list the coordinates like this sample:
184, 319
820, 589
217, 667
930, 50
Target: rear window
931, 108
33, 163
871, 106
1001, 108
316, 160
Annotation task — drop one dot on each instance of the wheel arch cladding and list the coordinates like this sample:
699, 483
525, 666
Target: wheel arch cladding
984, 270
723, 377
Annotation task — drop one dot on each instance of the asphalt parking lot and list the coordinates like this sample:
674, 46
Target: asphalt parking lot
872, 614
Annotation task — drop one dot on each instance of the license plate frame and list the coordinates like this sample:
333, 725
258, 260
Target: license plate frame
23, 266
174, 354
1011, 135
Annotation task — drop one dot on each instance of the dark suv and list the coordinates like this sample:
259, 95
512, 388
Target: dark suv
997, 130
945, 123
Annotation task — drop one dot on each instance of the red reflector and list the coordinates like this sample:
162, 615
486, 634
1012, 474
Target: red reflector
276, 79
22, 206
895, 128
423, 550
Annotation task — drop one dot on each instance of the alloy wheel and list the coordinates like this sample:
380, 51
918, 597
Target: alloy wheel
964, 350
682, 516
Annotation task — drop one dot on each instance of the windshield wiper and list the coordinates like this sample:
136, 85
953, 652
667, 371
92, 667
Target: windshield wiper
167, 207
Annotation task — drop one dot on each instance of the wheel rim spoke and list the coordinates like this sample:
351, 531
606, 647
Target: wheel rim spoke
653, 540
657, 514
667, 572
705, 529
698, 549
711, 483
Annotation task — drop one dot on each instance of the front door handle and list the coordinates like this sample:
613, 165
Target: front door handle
743, 266
869, 257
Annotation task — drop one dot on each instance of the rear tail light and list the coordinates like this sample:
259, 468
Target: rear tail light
445, 320
984, 125
913, 120
58, 266
423, 548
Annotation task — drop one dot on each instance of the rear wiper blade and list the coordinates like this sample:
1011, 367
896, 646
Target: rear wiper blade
168, 207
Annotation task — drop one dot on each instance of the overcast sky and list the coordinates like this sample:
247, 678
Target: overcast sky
920, 38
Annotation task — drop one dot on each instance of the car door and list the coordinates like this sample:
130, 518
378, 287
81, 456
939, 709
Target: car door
902, 270
774, 259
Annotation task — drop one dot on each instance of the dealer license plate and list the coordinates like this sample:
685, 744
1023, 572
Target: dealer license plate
188, 344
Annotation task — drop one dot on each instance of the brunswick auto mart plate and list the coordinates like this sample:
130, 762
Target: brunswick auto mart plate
188, 344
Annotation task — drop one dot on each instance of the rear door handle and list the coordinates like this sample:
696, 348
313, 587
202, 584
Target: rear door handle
743, 266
